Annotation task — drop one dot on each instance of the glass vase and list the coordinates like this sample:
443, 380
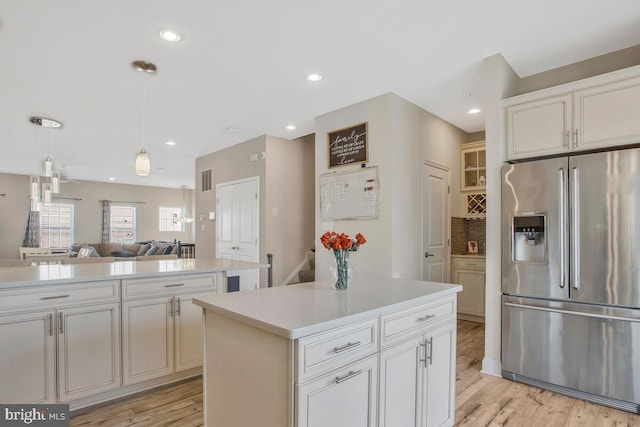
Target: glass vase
341, 276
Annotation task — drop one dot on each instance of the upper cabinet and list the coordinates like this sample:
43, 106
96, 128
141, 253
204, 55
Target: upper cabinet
590, 114
473, 167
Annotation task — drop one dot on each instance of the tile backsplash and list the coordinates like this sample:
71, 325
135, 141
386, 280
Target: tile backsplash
463, 229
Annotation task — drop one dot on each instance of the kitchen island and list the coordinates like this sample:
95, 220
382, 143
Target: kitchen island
379, 353
86, 333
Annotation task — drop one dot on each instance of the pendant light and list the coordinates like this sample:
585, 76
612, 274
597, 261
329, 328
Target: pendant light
183, 215
42, 188
143, 163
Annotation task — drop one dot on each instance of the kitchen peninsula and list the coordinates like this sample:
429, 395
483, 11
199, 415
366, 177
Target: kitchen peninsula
87, 333
379, 353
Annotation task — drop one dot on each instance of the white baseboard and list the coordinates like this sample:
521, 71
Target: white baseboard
491, 367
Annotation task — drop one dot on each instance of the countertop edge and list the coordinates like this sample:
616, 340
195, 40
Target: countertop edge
323, 326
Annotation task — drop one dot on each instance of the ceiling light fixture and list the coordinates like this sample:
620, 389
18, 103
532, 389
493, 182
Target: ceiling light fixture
42, 188
314, 77
170, 36
112, 179
183, 217
171, 143
473, 110
143, 163
291, 127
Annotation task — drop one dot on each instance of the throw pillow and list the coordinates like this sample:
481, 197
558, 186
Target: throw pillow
131, 247
123, 254
168, 250
89, 251
143, 249
152, 251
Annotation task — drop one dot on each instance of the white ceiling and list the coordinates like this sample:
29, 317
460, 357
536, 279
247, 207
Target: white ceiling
242, 64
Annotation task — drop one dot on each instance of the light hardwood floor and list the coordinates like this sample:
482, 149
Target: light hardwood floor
481, 400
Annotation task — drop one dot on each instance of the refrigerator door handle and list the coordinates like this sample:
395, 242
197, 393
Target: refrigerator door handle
561, 229
575, 227
575, 313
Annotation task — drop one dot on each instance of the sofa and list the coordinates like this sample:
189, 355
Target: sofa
128, 250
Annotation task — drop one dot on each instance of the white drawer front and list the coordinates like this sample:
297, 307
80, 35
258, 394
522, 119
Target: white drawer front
56, 295
462, 263
170, 285
327, 350
398, 325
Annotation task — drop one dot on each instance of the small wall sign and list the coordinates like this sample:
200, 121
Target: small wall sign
347, 145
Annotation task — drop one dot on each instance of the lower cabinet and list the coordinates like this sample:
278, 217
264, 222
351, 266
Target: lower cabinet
470, 273
87, 339
162, 329
416, 379
343, 398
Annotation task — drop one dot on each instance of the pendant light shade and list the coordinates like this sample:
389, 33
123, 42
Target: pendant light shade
48, 166
143, 164
55, 183
34, 192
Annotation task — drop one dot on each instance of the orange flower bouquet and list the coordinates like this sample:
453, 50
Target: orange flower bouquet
342, 245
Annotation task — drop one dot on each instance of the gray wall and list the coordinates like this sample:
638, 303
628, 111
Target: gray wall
286, 198
401, 136
14, 208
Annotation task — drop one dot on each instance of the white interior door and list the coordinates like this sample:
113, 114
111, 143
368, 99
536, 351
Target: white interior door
237, 227
435, 224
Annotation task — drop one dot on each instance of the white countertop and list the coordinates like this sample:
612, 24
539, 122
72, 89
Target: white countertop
11, 277
298, 310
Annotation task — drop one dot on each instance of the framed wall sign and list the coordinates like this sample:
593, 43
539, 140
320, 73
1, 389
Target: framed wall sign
348, 145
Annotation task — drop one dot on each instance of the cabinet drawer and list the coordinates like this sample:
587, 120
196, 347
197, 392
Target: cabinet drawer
327, 350
398, 325
169, 285
469, 263
56, 295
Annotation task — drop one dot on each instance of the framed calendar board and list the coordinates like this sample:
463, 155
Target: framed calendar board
349, 195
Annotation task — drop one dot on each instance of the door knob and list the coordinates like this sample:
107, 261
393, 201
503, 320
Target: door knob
427, 255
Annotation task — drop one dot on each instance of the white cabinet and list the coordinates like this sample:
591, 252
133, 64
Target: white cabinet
346, 397
473, 166
28, 365
162, 329
591, 114
469, 271
88, 350
416, 379
392, 369
84, 328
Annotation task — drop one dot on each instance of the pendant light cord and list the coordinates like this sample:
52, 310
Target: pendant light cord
144, 102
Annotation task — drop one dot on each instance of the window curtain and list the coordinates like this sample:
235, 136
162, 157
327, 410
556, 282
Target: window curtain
32, 232
106, 220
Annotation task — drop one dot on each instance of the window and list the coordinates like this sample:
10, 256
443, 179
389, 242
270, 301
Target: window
168, 219
56, 225
123, 224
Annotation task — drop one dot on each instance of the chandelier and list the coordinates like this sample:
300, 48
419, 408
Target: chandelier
183, 215
42, 188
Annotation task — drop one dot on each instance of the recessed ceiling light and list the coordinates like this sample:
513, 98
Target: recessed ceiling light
171, 143
474, 110
169, 35
112, 179
291, 127
314, 77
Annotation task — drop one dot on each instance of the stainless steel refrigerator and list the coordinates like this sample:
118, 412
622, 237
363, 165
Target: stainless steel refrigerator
571, 276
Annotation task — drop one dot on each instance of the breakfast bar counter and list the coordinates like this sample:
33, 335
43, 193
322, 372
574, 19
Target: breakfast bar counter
379, 353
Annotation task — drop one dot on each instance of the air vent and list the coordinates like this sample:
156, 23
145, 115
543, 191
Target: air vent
206, 180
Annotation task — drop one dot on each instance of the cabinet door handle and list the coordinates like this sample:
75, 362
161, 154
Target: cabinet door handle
576, 139
178, 308
423, 353
175, 285
351, 374
54, 297
425, 318
171, 307
50, 317
430, 356
346, 347
61, 320
566, 140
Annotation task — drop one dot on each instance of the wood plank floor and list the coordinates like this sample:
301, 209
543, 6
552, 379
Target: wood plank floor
481, 400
